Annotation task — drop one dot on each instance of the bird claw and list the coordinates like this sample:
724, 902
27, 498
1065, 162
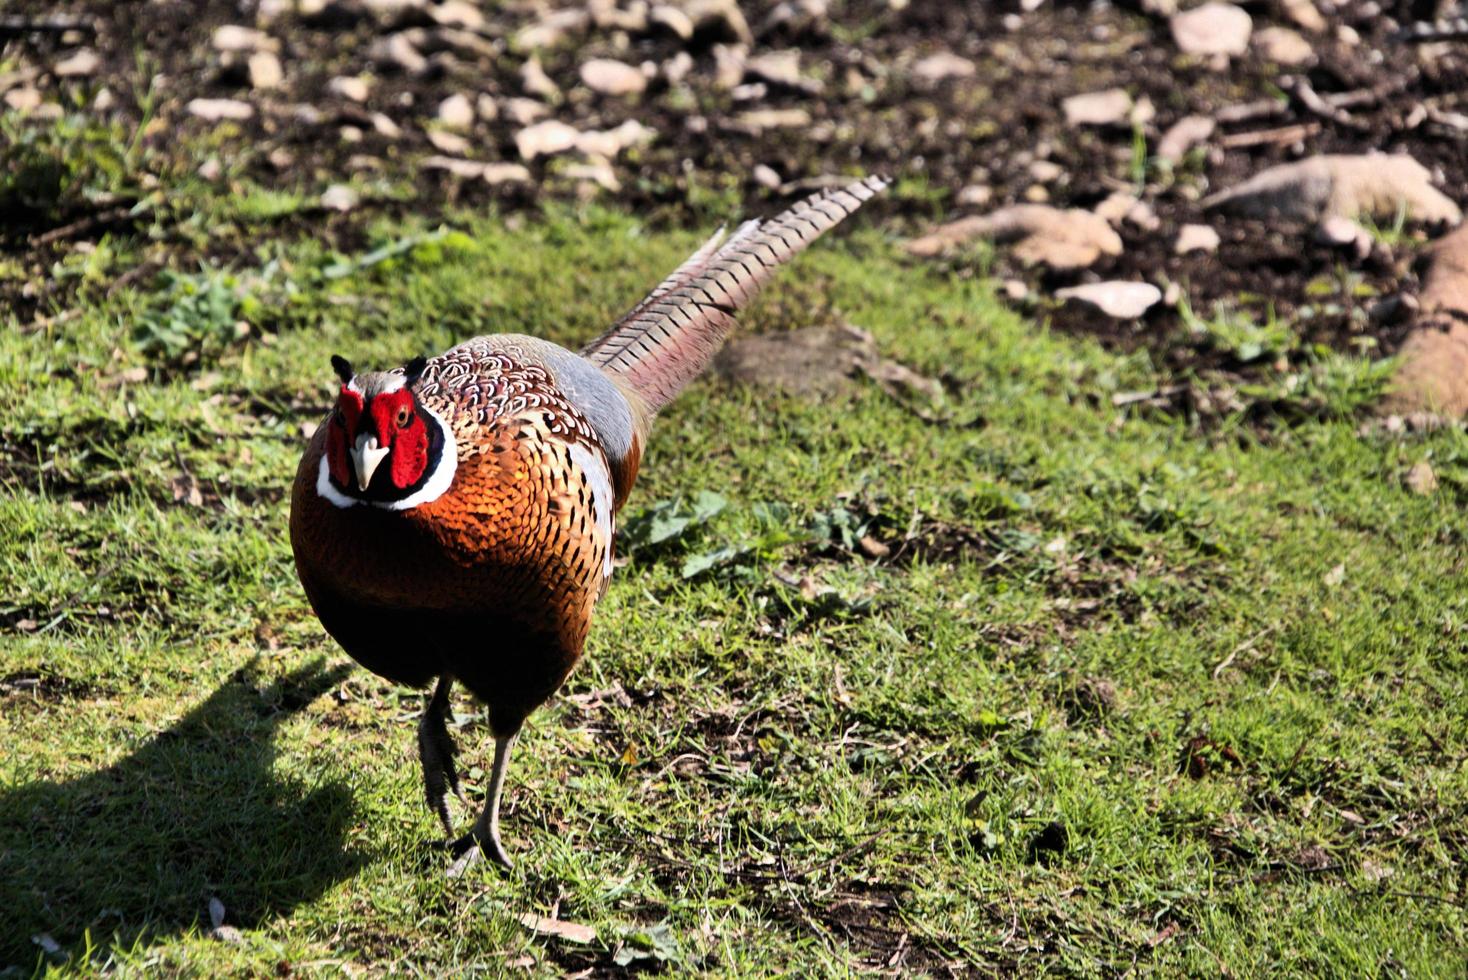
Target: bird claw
470, 850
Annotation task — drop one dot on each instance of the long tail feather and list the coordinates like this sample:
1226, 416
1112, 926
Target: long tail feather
668, 339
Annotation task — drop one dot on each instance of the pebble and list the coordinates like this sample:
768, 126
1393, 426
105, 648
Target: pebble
1105, 108
941, 66
1284, 46
239, 39
215, 110
536, 82
1196, 238
545, 139
1183, 135
266, 71
353, 88
607, 76
455, 112
339, 197
1212, 29
671, 19
1117, 299
79, 64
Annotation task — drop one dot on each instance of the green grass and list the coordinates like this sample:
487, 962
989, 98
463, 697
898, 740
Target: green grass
1130, 697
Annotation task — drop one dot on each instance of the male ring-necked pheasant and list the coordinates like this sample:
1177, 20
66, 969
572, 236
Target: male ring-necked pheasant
454, 518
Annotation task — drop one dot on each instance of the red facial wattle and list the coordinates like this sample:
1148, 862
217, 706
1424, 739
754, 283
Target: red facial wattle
401, 429
341, 430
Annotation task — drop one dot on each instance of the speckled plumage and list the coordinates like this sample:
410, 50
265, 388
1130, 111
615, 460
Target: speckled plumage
481, 557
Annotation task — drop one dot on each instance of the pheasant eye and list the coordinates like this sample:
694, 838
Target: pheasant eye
403, 416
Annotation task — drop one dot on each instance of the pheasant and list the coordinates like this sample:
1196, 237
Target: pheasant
454, 519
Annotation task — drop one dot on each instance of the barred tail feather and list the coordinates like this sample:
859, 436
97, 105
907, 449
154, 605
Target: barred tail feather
668, 339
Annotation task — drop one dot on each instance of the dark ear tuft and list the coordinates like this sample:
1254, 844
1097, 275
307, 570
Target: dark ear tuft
414, 370
342, 368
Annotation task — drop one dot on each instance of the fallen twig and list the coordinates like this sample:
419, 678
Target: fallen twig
1266, 137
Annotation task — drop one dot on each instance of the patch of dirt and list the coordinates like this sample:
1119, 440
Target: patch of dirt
943, 96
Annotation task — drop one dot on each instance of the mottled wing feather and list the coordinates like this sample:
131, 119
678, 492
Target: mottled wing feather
669, 338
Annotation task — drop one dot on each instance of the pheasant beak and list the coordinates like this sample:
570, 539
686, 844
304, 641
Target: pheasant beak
365, 458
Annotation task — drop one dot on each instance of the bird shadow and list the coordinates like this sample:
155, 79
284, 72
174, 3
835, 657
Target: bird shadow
133, 852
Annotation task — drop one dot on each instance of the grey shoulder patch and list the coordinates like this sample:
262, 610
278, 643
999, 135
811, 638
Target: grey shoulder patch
585, 386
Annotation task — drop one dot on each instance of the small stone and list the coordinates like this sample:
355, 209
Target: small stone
536, 82
505, 173
104, 101
216, 110
1046, 171
353, 88
1304, 14
676, 68
80, 64
339, 197
598, 171
1284, 46
975, 196
1196, 238
447, 142
1015, 289
23, 99
607, 76
718, 18
1116, 299
455, 112
211, 169
454, 165
1183, 135
525, 112
456, 13
385, 127
1106, 108
765, 176
1036, 194
1421, 479
729, 64
1116, 206
266, 71
756, 121
398, 51
608, 143
671, 19
237, 39
552, 29
939, 67
545, 139
1212, 29
1341, 232
780, 68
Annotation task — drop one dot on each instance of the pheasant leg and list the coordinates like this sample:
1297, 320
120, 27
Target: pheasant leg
484, 839
436, 753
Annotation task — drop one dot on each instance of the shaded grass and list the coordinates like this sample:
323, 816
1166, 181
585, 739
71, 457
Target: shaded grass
799, 760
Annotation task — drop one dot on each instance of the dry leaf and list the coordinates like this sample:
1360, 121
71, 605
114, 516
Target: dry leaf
1379, 185
1060, 239
572, 932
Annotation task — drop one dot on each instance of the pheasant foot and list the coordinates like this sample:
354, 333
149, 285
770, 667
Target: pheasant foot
436, 753
484, 840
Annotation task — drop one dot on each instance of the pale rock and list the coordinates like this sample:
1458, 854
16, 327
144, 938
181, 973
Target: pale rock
729, 64
455, 165
486, 107
721, 18
1118, 300
1046, 171
456, 112
447, 142
1116, 206
1375, 184
750, 92
80, 64
975, 196
211, 169
1304, 13
457, 13
1343, 233
607, 16
545, 139
676, 68
1421, 479
505, 173
217, 110
383, 126
353, 88
524, 112
552, 29
536, 82
671, 19
1183, 135
756, 121
1060, 239
598, 171
398, 51
1196, 238
607, 76
1284, 46
339, 197
1015, 289
1036, 194
765, 176
237, 39
266, 71
1212, 29
942, 66
23, 99
780, 68
610, 142
104, 101
1109, 107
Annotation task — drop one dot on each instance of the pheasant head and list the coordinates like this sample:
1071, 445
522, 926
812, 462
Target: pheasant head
382, 445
